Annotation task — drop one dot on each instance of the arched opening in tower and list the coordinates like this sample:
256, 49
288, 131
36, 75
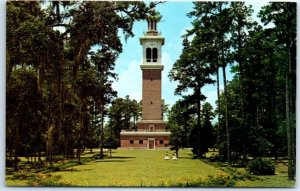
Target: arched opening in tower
148, 54
154, 54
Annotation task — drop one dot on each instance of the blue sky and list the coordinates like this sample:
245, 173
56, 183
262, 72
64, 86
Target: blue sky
173, 26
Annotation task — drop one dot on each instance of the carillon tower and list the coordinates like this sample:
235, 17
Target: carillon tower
151, 72
151, 129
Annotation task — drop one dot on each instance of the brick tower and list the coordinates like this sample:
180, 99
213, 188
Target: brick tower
151, 129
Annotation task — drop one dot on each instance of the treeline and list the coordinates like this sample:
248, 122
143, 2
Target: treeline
60, 63
256, 109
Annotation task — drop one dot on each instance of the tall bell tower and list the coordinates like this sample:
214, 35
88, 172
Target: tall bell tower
151, 130
152, 68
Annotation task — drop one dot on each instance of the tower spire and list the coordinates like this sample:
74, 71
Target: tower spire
153, 18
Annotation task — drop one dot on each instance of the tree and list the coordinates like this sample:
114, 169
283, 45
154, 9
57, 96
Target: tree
283, 15
164, 109
179, 124
22, 113
31, 46
215, 19
120, 114
208, 136
241, 15
177, 138
72, 84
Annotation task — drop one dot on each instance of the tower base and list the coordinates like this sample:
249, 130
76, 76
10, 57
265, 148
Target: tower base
151, 134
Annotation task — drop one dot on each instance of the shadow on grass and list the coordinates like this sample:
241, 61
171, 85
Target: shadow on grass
74, 170
109, 160
185, 157
120, 157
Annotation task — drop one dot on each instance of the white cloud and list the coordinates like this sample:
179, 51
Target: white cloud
130, 81
168, 87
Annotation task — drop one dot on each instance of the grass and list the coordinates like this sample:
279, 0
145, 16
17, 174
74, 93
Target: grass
279, 181
136, 168
148, 168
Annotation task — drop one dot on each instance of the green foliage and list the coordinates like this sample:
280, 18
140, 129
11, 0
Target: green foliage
121, 112
111, 142
22, 175
219, 180
196, 142
178, 137
214, 158
9, 162
41, 179
39, 165
260, 166
60, 81
237, 175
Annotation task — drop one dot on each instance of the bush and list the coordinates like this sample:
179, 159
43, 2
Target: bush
261, 166
214, 158
217, 180
10, 162
22, 175
39, 164
237, 175
42, 179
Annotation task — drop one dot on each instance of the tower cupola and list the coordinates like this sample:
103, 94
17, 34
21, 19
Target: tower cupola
152, 19
152, 41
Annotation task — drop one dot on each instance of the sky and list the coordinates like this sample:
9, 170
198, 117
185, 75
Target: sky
173, 25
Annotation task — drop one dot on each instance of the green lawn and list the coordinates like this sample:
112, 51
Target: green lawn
267, 181
136, 168
148, 168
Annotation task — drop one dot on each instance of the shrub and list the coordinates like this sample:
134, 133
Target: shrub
39, 164
10, 162
237, 175
214, 158
218, 180
261, 166
42, 179
48, 169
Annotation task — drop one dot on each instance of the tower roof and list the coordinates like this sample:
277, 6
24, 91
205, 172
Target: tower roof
154, 15
153, 18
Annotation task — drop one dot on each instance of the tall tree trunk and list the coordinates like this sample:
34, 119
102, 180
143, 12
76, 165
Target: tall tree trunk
39, 154
289, 129
34, 153
50, 143
221, 38
219, 109
102, 133
17, 145
79, 153
226, 117
60, 107
226, 102
241, 80
198, 118
292, 110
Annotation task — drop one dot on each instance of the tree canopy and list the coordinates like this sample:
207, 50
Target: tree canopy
60, 63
